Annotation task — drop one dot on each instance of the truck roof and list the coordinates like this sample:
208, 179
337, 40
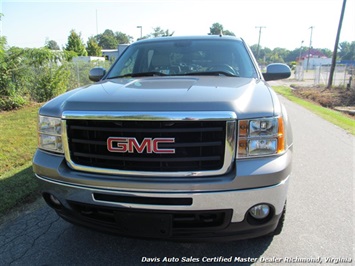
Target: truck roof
198, 37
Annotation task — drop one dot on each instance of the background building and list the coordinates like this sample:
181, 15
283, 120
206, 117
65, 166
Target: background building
313, 58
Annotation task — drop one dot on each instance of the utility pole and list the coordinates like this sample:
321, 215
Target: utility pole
309, 48
299, 58
141, 27
299, 68
257, 51
334, 58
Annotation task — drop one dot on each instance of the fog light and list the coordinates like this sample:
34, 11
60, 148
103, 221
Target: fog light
260, 211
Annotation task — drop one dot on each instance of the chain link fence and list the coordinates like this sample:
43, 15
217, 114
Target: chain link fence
344, 75
80, 72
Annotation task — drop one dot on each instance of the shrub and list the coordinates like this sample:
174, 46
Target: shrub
11, 102
38, 74
13, 76
49, 82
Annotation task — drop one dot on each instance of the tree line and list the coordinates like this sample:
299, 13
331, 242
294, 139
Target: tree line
106, 40
110, 40
40, 74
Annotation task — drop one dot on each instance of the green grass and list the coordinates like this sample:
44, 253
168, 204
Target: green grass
335, 117
18, 138
18, 142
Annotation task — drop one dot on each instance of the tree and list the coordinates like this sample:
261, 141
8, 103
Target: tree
13, 75
264, 54
2, 47
51, 81
107, 40
281, 53
38, 74
275, 57
52, 45
75, 44
217, 29
49, 73
347, 51
327, 52
93, 47
123, 38
159, 32
227, 32
293, 55
110, 40
143, 37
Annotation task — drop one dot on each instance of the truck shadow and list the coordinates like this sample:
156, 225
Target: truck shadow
39, 236
130, 251
19, 188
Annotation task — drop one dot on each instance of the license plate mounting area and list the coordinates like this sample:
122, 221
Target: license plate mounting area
144, 224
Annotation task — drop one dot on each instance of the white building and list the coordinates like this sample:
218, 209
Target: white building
113, 54
313, 58
88, 59
315, 62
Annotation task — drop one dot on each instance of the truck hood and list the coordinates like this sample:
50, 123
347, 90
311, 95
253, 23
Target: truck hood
246, 97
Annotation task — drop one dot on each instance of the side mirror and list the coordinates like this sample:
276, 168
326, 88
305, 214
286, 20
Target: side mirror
97, 73
277, 71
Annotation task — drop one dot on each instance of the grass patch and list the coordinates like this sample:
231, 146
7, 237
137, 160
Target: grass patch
332, 116
18, 138
18, 142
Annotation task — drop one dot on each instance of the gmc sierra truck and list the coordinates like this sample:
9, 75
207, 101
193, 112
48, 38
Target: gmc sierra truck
181, 139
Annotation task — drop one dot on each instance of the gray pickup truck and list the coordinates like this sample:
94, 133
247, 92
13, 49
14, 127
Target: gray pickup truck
182, 139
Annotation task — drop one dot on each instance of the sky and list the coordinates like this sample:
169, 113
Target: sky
286, 23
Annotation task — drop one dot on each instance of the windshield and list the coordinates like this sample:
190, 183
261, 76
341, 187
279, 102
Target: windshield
185, 57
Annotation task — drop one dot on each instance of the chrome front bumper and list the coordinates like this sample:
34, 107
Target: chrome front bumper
251, 182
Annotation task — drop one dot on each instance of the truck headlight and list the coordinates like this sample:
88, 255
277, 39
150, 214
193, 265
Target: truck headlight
261, 137
49, 134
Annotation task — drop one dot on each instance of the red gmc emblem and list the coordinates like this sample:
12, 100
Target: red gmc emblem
131, 145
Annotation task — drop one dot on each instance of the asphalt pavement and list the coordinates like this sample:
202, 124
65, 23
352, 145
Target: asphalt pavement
319, 226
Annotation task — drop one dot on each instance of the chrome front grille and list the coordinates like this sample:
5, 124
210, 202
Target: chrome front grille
202, 146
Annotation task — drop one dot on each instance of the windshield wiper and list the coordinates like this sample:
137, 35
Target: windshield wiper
157, 73
210, 73
141, 74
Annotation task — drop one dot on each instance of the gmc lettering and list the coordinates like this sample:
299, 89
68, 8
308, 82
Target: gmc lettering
131, 145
